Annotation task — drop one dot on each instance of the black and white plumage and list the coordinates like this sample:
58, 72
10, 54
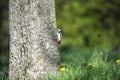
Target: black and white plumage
59, 36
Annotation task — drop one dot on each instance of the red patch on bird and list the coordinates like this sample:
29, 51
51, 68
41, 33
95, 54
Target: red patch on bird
59, 42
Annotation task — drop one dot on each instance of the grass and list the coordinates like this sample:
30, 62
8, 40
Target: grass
94, 65
3, 78
82, 65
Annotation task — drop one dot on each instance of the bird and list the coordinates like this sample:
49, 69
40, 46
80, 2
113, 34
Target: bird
59, 36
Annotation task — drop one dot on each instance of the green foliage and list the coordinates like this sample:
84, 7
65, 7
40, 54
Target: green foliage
89, 23
82, 65
3, 78
4, 36
4, 62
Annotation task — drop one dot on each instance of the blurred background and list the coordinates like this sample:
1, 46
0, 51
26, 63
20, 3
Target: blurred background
85, 24
4, 36
89, 23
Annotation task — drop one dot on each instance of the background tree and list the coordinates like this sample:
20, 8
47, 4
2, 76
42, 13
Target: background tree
33, 46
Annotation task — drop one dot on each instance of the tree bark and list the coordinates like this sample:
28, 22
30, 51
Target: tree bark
33, 47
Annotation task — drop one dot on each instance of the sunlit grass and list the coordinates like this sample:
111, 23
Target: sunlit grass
93, 65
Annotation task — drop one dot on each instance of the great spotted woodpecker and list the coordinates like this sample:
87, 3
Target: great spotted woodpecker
59, 36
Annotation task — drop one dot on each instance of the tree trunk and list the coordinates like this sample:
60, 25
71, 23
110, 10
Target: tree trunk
33, 47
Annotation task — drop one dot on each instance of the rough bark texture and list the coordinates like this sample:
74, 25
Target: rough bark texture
33, 47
